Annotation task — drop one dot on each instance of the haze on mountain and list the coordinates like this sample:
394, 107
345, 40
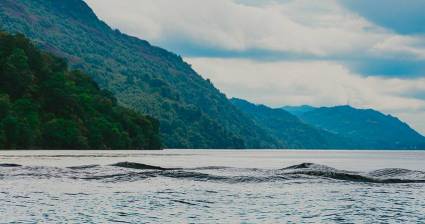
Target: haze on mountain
340, 127
367, 128
289, 130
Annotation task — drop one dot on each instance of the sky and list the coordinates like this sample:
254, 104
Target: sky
368, 54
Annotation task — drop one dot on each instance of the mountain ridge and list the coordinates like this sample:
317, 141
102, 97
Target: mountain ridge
192, 112
370, 128
298, 110
289, 129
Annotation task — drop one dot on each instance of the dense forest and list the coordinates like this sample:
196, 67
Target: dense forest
151, 80
43, 105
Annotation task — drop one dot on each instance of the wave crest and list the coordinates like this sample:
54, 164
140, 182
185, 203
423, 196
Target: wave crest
9, 165
129, 171
390, 175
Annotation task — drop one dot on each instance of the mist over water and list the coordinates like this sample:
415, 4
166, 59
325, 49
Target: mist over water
192, 186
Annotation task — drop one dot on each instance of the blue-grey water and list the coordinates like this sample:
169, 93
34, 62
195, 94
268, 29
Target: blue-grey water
192, 186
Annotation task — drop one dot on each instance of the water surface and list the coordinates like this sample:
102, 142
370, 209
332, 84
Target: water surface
192, 186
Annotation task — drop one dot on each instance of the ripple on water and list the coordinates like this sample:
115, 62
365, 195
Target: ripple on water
134, 193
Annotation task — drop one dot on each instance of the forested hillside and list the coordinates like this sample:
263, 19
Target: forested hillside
43, 105
151, 80
368, 128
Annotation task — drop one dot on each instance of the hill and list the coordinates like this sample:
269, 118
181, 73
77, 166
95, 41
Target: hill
368, 128
290, 131
151, 80
43, 105
298, 110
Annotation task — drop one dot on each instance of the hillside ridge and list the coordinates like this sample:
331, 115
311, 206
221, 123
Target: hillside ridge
192, 112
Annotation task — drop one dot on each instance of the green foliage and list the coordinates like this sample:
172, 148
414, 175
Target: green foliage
191, 111
4, 105
63, 134
17, 76
44, 105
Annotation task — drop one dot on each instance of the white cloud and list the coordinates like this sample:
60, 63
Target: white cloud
295, 26
318, 28
405, 45
316, 83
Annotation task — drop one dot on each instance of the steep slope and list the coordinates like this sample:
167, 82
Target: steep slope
367, 128
192, 112
291, 132
44, 105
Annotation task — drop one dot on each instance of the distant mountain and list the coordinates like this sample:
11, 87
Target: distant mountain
43, 105
298, 110
151, 80
369, 129
289, 130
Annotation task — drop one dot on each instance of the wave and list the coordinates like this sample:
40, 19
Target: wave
128, 171
83, 167
138, 166
9, 165
390, 175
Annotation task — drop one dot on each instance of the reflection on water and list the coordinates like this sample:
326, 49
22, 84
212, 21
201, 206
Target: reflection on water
212, 187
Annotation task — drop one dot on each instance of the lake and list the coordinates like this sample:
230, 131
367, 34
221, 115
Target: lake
212, 186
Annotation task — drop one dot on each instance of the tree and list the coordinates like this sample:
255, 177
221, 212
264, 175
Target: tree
16, 75
4, 106
63, 134
44, 105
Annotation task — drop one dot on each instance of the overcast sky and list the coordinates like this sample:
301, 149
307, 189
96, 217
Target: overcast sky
369, 54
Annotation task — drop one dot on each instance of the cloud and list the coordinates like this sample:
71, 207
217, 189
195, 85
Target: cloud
269, 30
407, 46
404, 17
232, 26
318, 83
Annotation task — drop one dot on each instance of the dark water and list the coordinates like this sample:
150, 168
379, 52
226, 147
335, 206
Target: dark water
189, 186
